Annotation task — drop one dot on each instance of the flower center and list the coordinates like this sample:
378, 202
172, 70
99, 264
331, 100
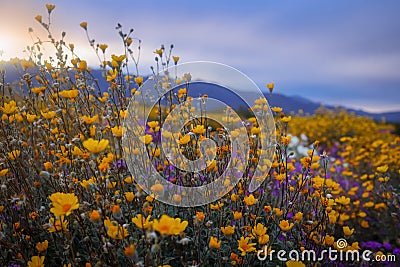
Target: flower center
164, 228
66, 207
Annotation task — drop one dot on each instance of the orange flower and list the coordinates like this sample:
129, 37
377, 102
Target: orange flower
214, 242
42, 246
130, 250
94, 215
200, 215
48, 165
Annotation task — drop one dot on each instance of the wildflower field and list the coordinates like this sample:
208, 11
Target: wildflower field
67, 197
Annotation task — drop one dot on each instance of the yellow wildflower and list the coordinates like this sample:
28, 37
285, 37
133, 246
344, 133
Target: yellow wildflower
228, 230
286, 119
13, 155
73, 93
83, 25
114, 230
263, 239
199, 129
128, 41
112, 75
184, 139
141, 222
3, 172
95, 146
117, 131
30, 117
293, 263
285, 226
250, 200
63, 203
119, 59
244, 245
237, 215
103, 47
343, 200
298, 217
276, 109
39, 18
329, 240
48, 115
175, 59
138, 80
382, 169
36, 261
82, 65
347, 231
270, 86
259, 230
59, 224
9, 107
129, 196
216, 206
38, 90
50, 7
48, 165
169, 226
159, 52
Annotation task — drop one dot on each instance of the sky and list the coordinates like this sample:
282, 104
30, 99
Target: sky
337, 52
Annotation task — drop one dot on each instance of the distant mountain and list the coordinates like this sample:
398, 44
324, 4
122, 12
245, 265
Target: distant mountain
290, 104
296, 103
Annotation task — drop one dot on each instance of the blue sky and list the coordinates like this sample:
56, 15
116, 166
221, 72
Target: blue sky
337, 52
